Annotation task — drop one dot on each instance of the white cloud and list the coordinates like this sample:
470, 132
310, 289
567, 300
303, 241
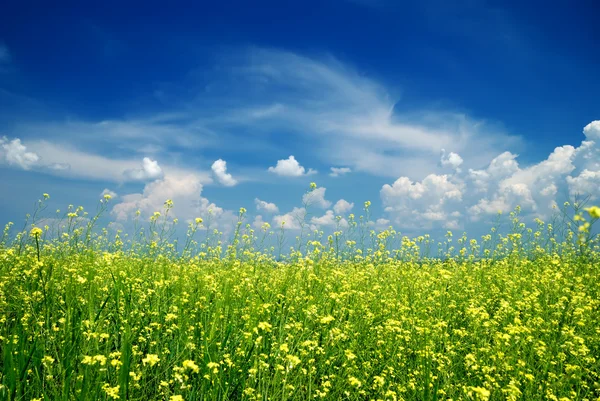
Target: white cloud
258, 222
83, 165
342, 206
534, 188
338, 171
290, 168
567, 172
219, 168
150, 170
185, 192
419, 204
64, 160
316, 197
348, 119
266, 206
149, 136
15, 153
452, 160
328, 220
292, 219
352, 120
592, 131
59, 166
499, 168
584, 184
382, 224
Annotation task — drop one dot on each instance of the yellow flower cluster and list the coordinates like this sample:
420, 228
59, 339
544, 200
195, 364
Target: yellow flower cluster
375, 316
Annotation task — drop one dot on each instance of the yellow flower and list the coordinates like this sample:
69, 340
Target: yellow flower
101, 359
242, 210
284, 348
354, 381
47, 360
481, 393
176, 398
594, 212
188, 364
107, 197
367, 204
313, 185
151, 359
199, 220
112, 392
46, 196
327, 319
35, 232
213, 366
265, 326
293, 360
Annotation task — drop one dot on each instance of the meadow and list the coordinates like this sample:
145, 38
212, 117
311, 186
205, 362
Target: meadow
86, 314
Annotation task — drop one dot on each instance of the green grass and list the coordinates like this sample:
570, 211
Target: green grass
91, 320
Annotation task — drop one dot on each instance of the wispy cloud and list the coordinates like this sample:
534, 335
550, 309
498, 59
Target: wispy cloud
338, 171
341, 117
346, 117
64, 160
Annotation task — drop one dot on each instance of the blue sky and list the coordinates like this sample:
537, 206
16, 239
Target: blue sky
439, 113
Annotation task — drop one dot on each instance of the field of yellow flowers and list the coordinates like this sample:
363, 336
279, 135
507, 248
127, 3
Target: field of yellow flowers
85, 316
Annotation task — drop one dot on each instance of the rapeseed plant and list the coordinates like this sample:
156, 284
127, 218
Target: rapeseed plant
356, 315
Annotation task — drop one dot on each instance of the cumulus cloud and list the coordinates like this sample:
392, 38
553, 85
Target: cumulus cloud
258, 222
15, 153
184, 190
342, 206
338, 171
566, 173
316, 197
534, 188
150, 170
328, 220
592, 131
291, 220
418, 204
266, 206
290, 168
584, 183
452, 160
499, 168
219, 168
